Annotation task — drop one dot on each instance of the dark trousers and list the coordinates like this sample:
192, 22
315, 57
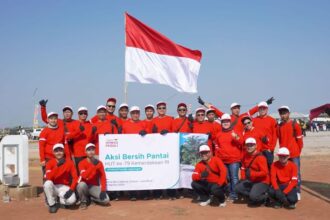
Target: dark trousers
205, 189
269, 156
256, 192
291, 196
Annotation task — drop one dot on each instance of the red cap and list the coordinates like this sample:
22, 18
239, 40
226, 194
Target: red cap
182, 105
112, 100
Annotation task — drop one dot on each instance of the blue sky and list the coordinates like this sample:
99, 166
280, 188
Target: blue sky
73, 52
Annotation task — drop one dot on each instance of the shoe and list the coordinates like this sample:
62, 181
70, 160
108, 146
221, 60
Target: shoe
292, 206
53, 208
231, 199
132, 199
206, 203
172, 198
223, 204
299, 196
181, 197
145, 198
83, 206
277, 205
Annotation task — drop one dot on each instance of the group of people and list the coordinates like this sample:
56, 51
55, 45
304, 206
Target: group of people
69, 152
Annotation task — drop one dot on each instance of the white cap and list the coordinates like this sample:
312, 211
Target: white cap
89, 145
58, 146
225, 117
82, 109
101, 107
67, 107
134, 108
204, 148
122, 105
284, 107
263, 104
283, 151
234, 104
51, 113
199, 109
250, 141
149, 106
209, 110
161, 103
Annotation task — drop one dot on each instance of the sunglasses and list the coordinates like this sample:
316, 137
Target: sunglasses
247, 123
111, 106
82, 113
161, 108
182, 109
250, 145
200, 114
90, 149
204, 152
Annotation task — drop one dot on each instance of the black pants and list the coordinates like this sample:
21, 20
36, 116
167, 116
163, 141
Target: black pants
291, 196
269, 156
256, 192
205, 189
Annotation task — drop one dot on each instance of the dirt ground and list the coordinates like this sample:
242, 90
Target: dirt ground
315, 168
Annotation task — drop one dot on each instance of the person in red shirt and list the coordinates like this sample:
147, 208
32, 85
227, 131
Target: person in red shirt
235, 108
162, 123
149, 112
52, 134
211, 118
183, 123
209, 177
110, 116
290, 135
254, 175
84, 132
92, 180
229, 147
267, 125
203, 127
284, 176
61, 180
123, 113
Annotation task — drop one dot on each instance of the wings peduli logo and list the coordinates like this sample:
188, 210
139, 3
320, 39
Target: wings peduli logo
111, 143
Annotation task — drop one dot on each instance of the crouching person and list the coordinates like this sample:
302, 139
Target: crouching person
254, 174
60, 180
209, 177
92, 181
284, 179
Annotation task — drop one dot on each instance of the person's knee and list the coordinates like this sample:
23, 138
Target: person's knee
238, 187
48, 184
195, 184
81, 186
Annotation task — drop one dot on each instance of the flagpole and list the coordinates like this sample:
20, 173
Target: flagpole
125, 83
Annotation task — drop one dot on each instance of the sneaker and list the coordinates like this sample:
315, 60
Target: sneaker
181, 197
53, 208
232, 199
299, 196
206, 203
223, 204
292, 206
83, 206
277, 205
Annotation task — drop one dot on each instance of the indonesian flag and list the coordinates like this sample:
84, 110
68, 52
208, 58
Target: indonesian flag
153, 58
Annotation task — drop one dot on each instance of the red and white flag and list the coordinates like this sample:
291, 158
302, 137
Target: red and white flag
153, 58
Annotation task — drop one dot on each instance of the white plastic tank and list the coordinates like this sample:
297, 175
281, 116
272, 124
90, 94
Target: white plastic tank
14, 160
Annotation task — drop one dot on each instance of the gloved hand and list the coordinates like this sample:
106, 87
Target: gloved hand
70, 142
190, 118
142, 133
60, 162
94, 129
200, 100
154, 129
120, 130
264, 140
43, 102
208, 135
95, 161
281, 196
270, 100
191, 126
68, 194
114, 122
81, 127
204, 174
248, 173
163, 132
103, 195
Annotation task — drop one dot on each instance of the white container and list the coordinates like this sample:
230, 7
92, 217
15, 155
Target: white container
14, 160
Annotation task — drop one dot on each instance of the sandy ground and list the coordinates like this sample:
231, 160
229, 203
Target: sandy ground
315, 167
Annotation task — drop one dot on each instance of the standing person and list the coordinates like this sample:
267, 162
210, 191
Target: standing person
268, 126
135, 126
290, 135
149, 112
203, 127
52, 134
254, 175
59, 173
209, 177
162, 124
92, 179
284, 176
123, 112
84, 132
183, 123
235, 108
110, 116
211, 116
229, 146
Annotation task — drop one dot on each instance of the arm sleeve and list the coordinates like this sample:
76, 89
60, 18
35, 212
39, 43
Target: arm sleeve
262, 163
42, 145
243, 176
67, 150
196, 176
74, 177
253, 110
103, 180
51, 171
294, 180
274, 136
273, 177
223, 173
218, 112
44, 114
88, 172
299, 136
